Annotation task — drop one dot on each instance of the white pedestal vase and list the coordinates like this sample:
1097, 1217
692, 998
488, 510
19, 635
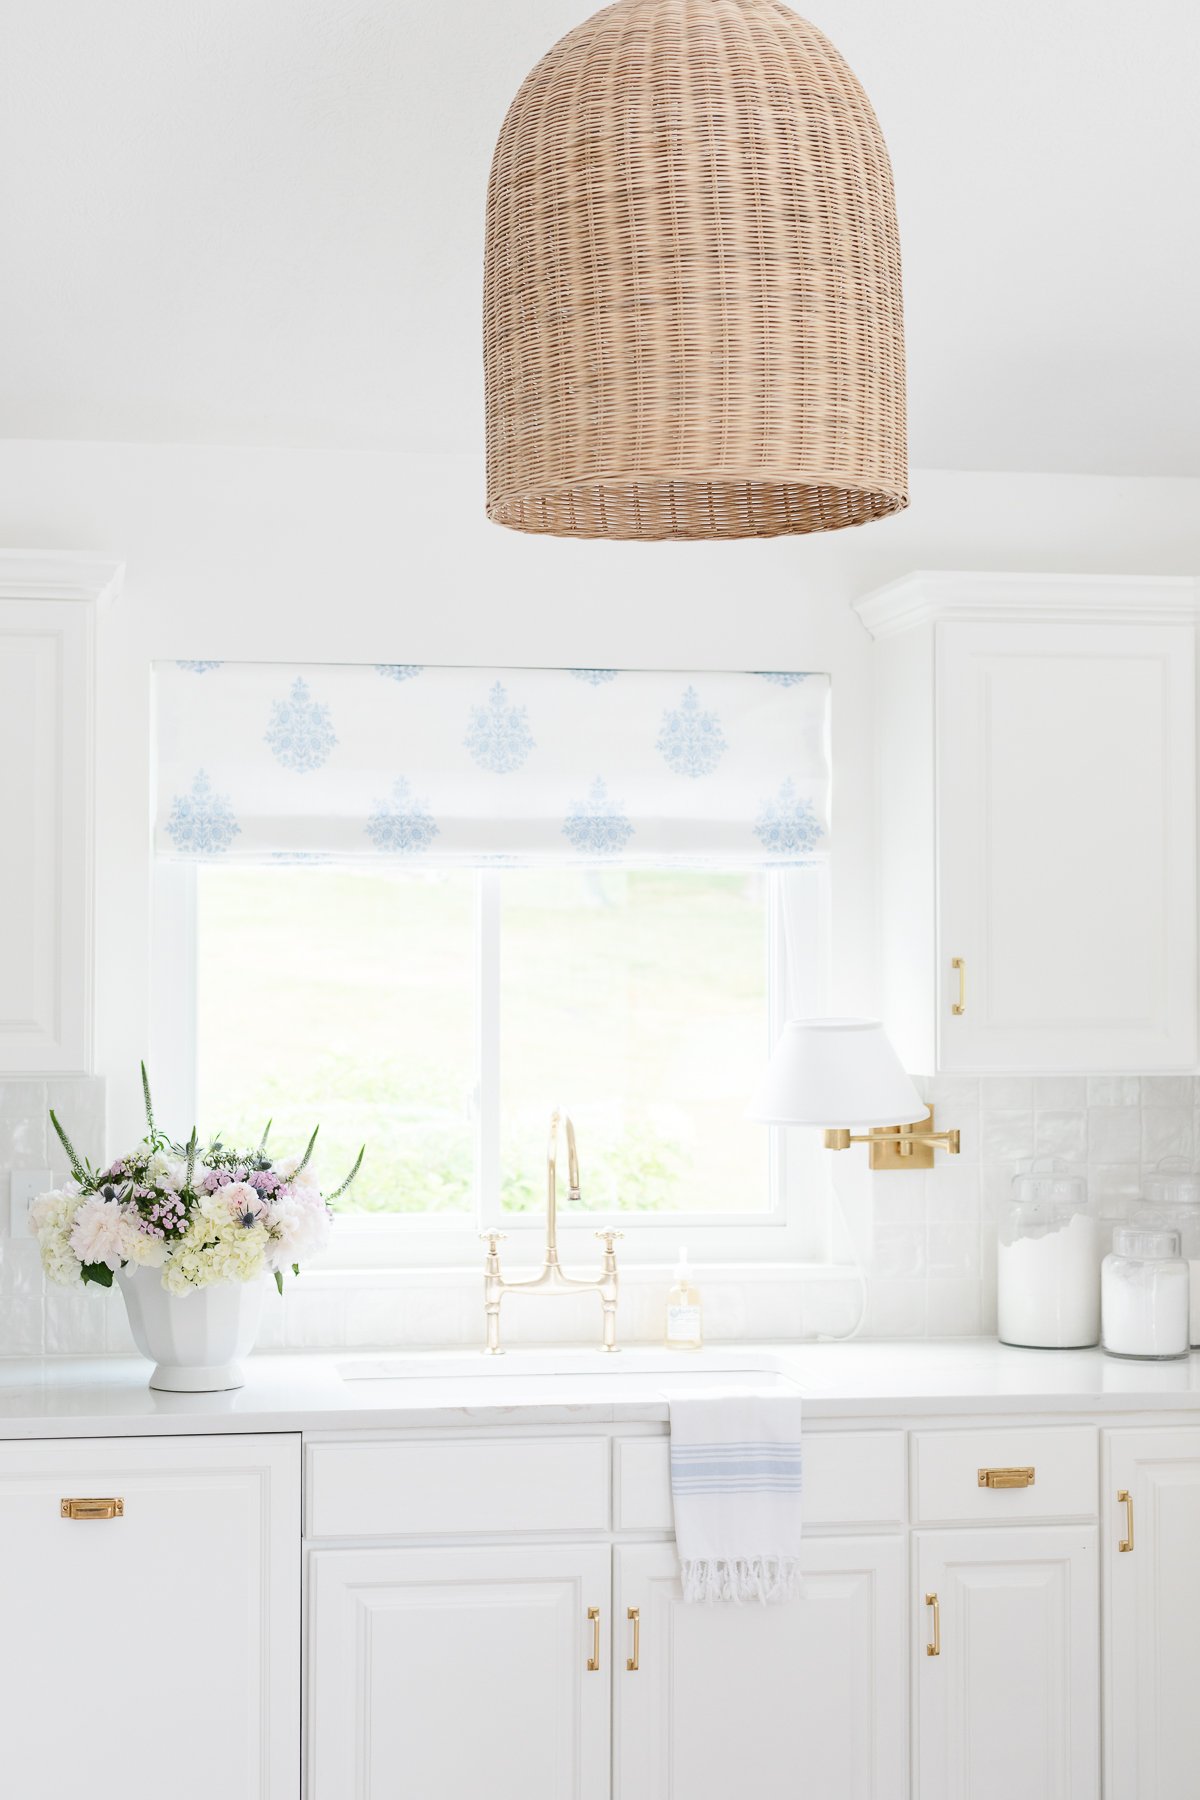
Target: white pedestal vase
196, 1341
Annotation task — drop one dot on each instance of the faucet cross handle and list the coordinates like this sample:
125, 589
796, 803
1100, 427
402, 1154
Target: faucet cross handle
491, 1239
608, 1238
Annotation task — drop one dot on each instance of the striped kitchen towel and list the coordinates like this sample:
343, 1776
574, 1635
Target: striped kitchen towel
736, 1480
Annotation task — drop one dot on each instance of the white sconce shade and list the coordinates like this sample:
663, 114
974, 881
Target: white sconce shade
836, 1072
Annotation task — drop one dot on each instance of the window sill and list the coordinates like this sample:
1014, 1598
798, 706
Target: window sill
641, 1274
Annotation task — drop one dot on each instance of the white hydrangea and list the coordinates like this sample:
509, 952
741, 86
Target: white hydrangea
215, 1247
168, 1172
50, 1219
145, 1251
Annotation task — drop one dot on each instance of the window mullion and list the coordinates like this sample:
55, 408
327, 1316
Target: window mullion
487, 1048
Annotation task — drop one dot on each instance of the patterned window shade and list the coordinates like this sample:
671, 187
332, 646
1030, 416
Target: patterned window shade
476, 767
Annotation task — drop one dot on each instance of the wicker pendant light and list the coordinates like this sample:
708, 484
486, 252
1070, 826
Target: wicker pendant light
692, 316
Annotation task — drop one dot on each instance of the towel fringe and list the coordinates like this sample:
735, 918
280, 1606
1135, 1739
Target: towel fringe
768, 1579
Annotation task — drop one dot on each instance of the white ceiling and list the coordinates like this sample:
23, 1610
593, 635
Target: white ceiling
260, 221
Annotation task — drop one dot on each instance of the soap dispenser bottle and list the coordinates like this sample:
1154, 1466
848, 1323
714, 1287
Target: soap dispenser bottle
683, 1310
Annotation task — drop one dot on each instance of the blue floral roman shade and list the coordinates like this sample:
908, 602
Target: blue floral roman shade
477, 767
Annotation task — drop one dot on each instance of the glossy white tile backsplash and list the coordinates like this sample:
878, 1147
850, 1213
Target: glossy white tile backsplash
929, 1257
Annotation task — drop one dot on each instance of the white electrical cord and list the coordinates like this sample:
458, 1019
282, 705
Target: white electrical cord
795, 1009
844, 1337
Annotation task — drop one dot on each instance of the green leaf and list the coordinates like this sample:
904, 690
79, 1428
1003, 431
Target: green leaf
151, 1127
262, 1142
303, 1163
77, 1168
295, 1268
339, 1191
100, 1273
279, 1279
191, 1159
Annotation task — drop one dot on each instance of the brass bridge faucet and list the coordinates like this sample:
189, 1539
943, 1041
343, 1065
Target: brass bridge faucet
550, 1279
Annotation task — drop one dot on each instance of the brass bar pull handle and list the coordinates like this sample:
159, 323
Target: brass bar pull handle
958, 963
1007, 1478
594, 1658
1125, 1499
633, 1663
91, 1509
935, 1647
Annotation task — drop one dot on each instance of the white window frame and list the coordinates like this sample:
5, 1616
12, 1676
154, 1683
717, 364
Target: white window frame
795, 1229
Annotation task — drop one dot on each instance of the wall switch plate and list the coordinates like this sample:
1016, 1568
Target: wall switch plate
24, 1187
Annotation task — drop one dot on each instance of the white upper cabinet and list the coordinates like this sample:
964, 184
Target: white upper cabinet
47, 609
1037, 768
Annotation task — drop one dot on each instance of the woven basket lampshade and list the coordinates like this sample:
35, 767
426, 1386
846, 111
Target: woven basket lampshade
692, 312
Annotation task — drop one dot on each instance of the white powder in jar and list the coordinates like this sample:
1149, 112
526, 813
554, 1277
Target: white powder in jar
1145, 1306
1048, 1287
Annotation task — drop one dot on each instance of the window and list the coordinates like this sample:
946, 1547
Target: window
425, 905
439, 1015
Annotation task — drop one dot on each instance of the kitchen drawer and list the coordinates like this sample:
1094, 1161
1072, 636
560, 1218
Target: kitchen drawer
421, 1486
850, 1478
947, 1466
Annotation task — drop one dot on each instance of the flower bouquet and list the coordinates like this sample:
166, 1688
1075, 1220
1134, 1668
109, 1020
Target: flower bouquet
189, 1232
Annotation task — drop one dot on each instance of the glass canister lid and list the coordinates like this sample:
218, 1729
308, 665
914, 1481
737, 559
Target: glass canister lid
1173, 1183
1050, 1188
1146, 1243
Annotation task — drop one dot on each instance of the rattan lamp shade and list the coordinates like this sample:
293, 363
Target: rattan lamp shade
692, 311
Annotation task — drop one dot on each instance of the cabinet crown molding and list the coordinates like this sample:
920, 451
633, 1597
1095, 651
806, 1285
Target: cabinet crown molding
59, 575
928, 595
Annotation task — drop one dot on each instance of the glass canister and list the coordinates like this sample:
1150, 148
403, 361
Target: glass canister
1048, 1264
1173, 1195
1144, 1291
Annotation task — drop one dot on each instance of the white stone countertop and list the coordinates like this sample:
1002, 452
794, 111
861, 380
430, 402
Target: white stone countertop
841, 1383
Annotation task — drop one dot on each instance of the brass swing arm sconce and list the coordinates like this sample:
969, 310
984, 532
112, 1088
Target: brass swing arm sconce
898, 1146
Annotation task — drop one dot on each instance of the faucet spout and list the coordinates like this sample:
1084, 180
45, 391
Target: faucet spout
550, 1278
557, 1118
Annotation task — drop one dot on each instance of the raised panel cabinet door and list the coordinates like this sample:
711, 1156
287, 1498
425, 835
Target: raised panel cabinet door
150, 1618
459, 1674
1066, 834
45, 828
780, 1703
1006, 1653
1152, 1641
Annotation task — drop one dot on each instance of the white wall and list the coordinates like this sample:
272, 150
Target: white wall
384, 557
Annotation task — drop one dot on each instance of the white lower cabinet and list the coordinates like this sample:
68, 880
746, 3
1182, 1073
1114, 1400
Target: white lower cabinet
448, 1674
1006, 1649
150, 1618
1151, 1518
781, 1703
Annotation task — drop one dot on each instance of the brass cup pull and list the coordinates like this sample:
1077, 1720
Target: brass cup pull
1125, 1499
958, 964
594, 1658
934, 1648
1007, 1478
91, 1509
633, 1663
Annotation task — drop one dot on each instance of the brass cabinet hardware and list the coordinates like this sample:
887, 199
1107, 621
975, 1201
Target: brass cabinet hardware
934, 1648
1006, 1478
92, 1509
958, 964
1125, 1499
594, 1658
633, 1663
